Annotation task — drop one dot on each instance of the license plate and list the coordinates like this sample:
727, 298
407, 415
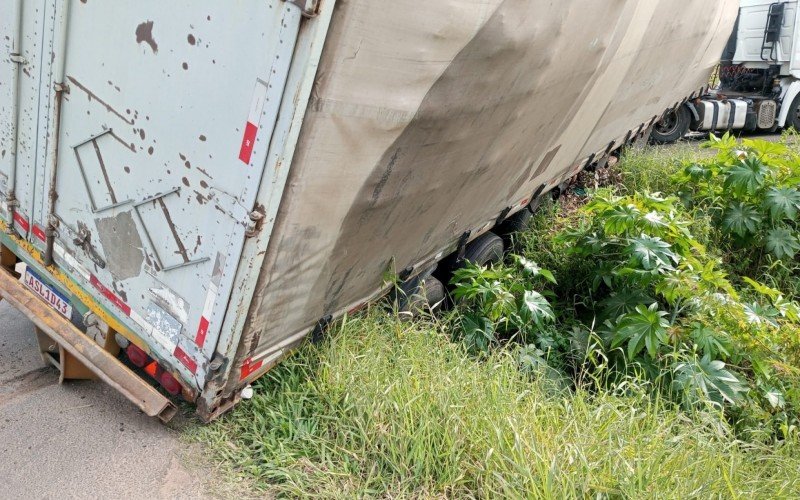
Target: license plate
56, 300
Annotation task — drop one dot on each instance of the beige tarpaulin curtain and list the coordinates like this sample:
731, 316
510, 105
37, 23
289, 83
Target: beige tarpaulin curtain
429, 118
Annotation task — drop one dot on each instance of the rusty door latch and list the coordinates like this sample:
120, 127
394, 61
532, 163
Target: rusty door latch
84, 241
309, 8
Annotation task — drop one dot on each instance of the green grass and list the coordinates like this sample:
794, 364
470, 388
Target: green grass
386, 408
650, 169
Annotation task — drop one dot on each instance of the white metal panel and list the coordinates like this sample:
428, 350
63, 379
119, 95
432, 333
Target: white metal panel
752, 24
33, 100
162, 143
794, 63
9, 69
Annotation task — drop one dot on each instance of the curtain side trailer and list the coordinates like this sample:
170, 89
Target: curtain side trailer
195, 187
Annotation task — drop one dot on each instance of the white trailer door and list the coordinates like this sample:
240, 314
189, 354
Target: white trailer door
163, 137
25, 63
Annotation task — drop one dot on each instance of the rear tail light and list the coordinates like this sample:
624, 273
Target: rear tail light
140, 359
137, 356
169, 383
153, 369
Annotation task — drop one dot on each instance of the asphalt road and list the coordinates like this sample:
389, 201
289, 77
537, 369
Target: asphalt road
80, 439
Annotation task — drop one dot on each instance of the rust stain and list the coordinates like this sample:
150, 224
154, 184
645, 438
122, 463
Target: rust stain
144, 33
174, 230
119, 139
92, 95
104, 171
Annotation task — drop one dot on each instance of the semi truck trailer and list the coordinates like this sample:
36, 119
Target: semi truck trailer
188, 190
758, 87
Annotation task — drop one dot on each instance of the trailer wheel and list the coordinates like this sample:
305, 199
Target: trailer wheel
793, 118
516, 223
427, 296
485, 249
433, 291
672, 127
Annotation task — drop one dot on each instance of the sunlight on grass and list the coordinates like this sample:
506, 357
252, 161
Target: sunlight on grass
395, 409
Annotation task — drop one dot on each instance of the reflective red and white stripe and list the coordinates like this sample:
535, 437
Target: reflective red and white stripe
253, 119
249, 367
22, 221
38, 231
205, 319
155, 333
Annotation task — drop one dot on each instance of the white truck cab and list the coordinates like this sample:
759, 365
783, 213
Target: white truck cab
759, 78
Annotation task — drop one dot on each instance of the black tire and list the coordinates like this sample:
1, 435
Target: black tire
427, 295
485, 249
672, 127
514, 224
793, 118
433, 291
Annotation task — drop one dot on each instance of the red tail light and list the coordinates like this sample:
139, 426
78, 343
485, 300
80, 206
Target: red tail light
140, 358
137, 356
169, 383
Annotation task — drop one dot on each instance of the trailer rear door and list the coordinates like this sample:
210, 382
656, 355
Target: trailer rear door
162, 139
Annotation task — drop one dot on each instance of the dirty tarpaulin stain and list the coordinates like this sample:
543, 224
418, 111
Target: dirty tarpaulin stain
144, 33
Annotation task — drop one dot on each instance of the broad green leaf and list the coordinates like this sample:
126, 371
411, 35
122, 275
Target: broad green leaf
548, 276
697, 172
761, 288
741, 219
764, 148
782, 243
478, 332
531, 268
787, 308
644, 329
653, 221
703, 379
757, 314
747, 177
620, 219
775, 398
782, 202
654, 201
709, 342
539, 307
531, 359
726, 143
652, 253
624, 302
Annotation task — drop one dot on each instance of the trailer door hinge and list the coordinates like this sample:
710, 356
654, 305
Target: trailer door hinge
255, 220
309, 8
17, 58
